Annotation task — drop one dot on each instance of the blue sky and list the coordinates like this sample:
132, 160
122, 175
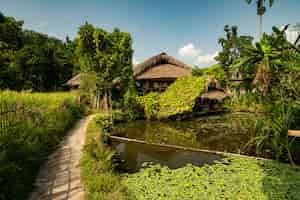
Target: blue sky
188, 29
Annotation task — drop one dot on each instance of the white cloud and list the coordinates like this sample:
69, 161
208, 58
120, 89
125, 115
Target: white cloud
135, 61
189, 51
291, 35
194, 55
207, 58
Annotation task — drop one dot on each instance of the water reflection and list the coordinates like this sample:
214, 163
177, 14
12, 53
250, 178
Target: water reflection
228, 133
134, 155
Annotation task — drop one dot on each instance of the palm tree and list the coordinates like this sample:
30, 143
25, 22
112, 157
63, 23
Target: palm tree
261, 9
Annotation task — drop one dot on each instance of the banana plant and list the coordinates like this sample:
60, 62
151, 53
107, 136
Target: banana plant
265, 61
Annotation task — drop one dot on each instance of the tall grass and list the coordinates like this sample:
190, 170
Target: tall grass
34, 125
97, 164
271, 134
248, 102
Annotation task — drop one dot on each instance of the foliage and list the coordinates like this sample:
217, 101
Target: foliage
215, 71
87, 87
32, 60
272, 60
38, 125
233, 178
97, 164
130, 103
180, 96
150, 102
247, 102
272, 132
233, 47
108, 55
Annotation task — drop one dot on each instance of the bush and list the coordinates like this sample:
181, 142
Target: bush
150, 103
216, 71
32, 133
180, 97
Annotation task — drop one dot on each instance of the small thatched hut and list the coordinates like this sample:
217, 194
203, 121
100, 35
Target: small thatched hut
74, 82
158, 72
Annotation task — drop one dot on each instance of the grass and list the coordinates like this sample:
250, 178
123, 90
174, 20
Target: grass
30, 135
97, 166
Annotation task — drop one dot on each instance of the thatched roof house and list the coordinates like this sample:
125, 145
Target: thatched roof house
158, 72
154, 74
161, 66
74, 82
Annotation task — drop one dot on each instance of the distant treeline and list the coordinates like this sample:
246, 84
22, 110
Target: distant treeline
33, 61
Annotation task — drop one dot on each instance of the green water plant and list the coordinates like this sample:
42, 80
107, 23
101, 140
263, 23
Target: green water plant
232, 178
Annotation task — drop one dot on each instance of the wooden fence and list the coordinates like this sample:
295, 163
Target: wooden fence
12, 115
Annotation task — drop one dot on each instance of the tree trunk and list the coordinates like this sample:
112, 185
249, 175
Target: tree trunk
260, 26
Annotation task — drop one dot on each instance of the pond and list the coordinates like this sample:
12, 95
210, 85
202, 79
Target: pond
223, 133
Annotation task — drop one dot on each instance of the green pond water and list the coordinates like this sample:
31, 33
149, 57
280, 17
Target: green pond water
226, 133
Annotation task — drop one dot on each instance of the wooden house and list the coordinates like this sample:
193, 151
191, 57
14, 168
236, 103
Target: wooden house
153, 75
158, 72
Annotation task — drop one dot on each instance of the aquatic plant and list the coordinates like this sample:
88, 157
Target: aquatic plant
233, 178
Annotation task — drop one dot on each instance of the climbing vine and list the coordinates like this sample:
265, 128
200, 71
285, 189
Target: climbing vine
180, 96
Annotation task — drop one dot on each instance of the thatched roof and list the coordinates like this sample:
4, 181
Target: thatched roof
215, 94
161, 66
74, 82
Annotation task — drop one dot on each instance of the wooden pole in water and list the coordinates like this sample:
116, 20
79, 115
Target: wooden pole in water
295, 133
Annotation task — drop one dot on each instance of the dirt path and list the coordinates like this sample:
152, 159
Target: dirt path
59, 177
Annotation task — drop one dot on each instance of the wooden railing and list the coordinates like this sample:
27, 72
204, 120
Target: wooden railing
11, 115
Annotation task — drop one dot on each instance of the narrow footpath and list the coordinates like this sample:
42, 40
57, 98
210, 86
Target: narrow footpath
59, 177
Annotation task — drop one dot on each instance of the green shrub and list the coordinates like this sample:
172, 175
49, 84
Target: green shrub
180, 96
150, 103
271, 135
33, 132
248, 102
216, 71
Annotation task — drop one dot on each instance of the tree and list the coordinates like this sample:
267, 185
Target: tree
273, 60
261, 9
10, 43
109, 56
32, 60
233, 47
